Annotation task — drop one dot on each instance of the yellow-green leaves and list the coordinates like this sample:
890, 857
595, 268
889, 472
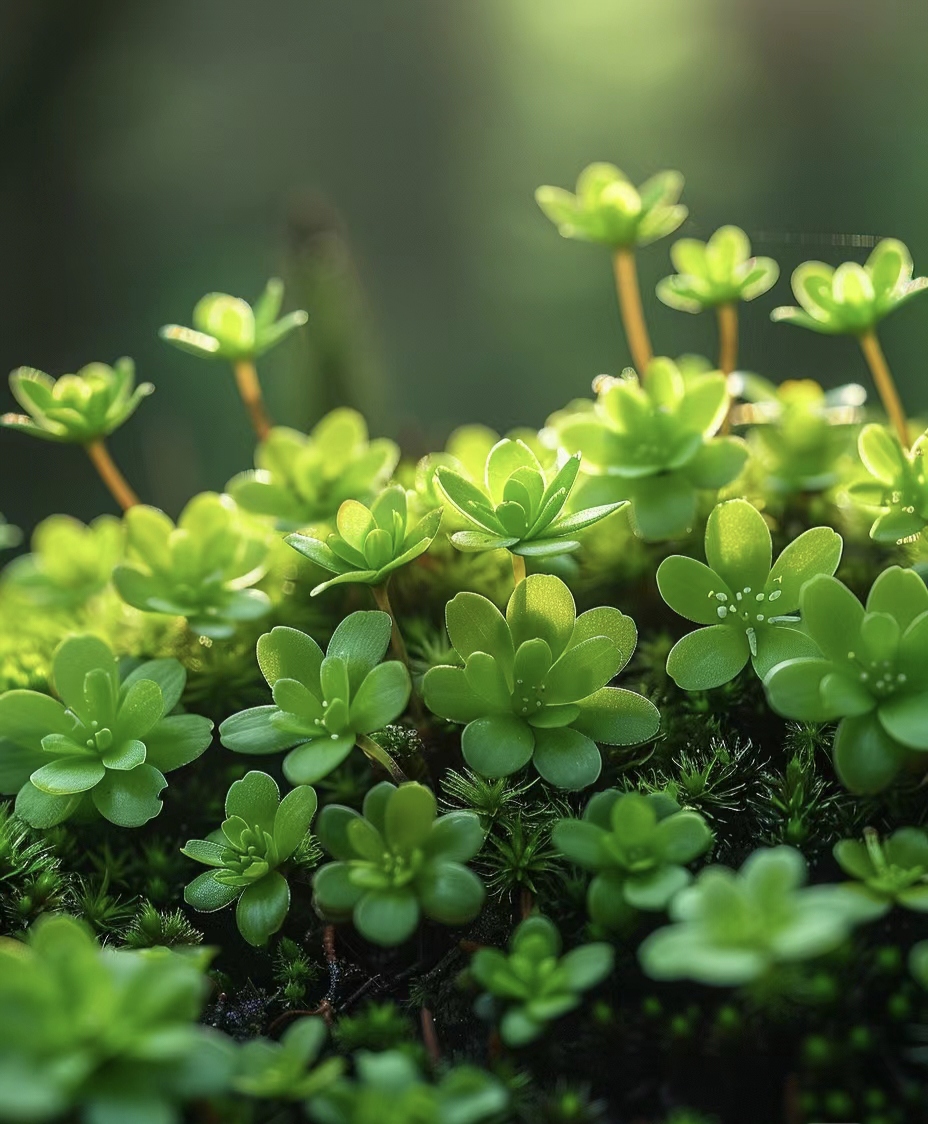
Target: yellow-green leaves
226, 327
69, 563
370, 543
607, 208
79, 408
898, 488
202, 569
852, 299
720, 271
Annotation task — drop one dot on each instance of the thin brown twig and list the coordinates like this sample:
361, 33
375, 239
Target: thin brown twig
246, 379
119, 487
636, 329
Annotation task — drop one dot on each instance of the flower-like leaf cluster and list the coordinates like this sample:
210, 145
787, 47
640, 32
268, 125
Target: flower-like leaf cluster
853, 298
650, 441
322, 703
286, 1070
110, 1035
260, 832
732, 927
636, 845
800, 435
746, 605
533, 685
871, 675
202, 569
77, 408
369, 543
534, 981
515, 508
70, 561
389, 1089
890, 872
898, 488
720, 271
609, 209
106, 744
397, 862
226, 327
300, 479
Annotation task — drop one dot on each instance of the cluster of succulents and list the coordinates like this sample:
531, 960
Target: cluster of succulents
577, 838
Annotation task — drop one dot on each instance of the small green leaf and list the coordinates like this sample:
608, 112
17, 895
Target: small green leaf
262, 908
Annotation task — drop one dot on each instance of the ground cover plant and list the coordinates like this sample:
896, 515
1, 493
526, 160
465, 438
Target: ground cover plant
571, 776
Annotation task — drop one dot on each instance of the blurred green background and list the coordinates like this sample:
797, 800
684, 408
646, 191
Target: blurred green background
382, 158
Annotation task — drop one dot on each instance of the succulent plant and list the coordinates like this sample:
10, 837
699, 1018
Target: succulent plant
720, 271
515, 508
746, 605
397, 862
898, 488
202, 569
533, 687
651, 441
871, 676
323, 704
369, 543
260, 832
534, 982
607, 207
70, 561
80, 408
637, 846
288, 1070
302, 479
734, 927
888, 872
105, 745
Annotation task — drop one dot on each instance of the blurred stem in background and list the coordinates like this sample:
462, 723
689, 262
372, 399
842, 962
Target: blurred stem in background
119, 488
636, 330
728, 337
885, 384
246, 378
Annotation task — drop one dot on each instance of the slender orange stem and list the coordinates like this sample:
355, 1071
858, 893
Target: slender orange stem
636, 330
728, 337
885, 384
246, 378
110, 474
518, 568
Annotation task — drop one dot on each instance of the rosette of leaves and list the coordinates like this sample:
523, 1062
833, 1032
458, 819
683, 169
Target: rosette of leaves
747, 605
609, 209
533, 982
651, 442
369, 543
871, 675
300, 479
637, 846
70, 561
898, 488
79, 408
799, 434
258, 835
202, 569
323, 704
853, 298
286, 1070
110, 1034
720, 271
887, 872
732, 927
515, 508
389, 1089
397, 862
106, 744
533, 686
226, 327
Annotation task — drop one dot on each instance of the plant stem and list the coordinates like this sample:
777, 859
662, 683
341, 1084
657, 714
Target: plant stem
727, 315
636, 330
885, 384
518, 568
246, 378
382, 597
110, 474
379, 755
